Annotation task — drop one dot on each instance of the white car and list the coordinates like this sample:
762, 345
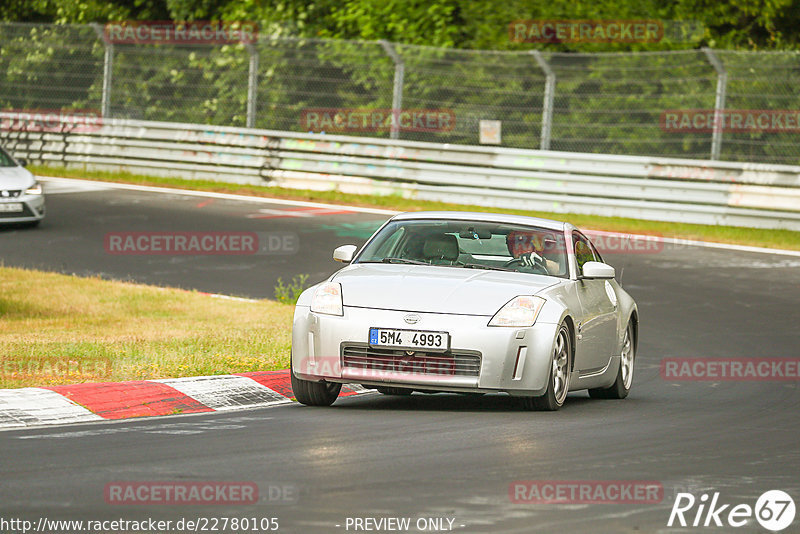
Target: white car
467, 303
21, 196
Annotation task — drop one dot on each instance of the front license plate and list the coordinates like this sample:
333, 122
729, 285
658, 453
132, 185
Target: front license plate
10, 207
409, 339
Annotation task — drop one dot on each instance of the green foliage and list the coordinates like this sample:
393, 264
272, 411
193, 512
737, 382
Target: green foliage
50, 67
81, 12
199, 84
407, 21
477, 24
289, 293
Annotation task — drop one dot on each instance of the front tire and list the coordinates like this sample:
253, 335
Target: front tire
314, 393
558, 382
622, 385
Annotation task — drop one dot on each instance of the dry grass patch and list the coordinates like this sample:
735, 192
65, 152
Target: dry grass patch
58, 329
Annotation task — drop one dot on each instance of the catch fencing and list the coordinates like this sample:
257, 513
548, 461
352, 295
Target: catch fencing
604, 103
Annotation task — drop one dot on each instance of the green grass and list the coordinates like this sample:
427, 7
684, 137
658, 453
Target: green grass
59, 329
783, 239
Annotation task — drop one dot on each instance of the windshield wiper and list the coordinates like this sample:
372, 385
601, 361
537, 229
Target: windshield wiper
488, 267
403, 260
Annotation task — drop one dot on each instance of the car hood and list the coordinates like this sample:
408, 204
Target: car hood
15, 178
435, 289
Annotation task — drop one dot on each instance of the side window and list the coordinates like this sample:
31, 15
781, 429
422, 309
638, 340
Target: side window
583, 250
597, 255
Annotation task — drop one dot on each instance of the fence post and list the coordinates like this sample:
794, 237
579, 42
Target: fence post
397, 90
108, 63
719, 103
252, 86
549, 95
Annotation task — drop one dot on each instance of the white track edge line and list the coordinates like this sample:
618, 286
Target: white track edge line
226, 196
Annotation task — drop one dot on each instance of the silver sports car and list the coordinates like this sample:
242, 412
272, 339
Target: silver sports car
467, 303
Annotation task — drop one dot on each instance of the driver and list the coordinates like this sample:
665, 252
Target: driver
527, 247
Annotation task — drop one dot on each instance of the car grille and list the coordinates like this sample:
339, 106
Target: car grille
451, 363
10, 193
26, 212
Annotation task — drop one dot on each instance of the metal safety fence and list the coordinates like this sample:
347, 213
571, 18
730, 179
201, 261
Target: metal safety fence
705, 192
609, 103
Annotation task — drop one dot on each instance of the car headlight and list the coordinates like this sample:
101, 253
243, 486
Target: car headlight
519, 311
35, 189
327, 299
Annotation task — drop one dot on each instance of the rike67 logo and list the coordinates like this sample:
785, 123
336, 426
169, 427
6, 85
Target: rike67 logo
774, 510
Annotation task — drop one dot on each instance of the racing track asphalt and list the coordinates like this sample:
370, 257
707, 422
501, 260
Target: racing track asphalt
426, 455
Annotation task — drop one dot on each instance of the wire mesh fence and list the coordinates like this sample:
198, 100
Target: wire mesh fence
611, 103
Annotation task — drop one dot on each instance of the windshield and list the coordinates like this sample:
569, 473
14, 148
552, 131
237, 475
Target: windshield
6, 160
469, 245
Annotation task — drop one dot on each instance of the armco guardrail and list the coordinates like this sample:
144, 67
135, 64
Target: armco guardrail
706, 192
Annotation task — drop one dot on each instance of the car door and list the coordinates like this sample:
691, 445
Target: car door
597, 326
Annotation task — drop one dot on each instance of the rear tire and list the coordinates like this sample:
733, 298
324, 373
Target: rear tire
386, 390
314, 393
622, 385
558, 382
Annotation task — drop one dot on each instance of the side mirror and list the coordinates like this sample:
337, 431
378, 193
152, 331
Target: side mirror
345, 253
595, 269
22, 162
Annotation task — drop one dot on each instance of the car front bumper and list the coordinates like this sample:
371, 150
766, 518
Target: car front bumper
512, 360
33, 209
